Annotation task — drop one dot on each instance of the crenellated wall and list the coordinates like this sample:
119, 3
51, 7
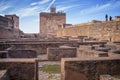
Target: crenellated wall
109, 30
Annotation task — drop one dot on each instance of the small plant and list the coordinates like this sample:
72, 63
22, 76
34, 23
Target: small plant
51, 69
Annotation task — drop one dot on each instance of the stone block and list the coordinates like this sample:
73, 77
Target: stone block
58, 53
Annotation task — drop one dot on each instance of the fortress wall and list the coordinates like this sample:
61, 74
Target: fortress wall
6, 34
73, 31
101, 30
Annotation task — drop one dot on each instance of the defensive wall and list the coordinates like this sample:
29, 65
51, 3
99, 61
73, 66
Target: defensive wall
104, 30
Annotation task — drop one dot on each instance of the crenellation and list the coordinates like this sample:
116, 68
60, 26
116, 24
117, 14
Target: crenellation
50, 23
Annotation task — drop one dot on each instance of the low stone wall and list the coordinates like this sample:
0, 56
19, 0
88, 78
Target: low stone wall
22, 54
90, 53
3, 54
89, 68
4, 75
107, 77
113, 53
19, 69
58, 53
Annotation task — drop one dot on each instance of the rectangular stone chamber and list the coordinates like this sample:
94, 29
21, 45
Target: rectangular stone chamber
22, 54
89, 68
55, 54
19, 69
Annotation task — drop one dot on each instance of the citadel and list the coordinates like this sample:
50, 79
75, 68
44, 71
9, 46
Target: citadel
60, 51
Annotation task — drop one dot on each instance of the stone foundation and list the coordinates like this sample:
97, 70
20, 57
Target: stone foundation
89, 68
58, 53
22, 54
90, 53
19, 69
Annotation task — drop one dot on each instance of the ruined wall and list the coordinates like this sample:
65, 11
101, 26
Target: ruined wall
109, 30
15, 20
89, 68
6, 33
58, 53
50, 23
39, 48
90, 53
19, 69
22, 54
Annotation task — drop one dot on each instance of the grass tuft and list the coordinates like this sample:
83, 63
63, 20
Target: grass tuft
51, 69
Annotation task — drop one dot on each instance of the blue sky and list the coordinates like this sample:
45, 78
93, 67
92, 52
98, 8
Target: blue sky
78, 11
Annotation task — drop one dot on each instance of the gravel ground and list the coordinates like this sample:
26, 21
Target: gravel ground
47, 76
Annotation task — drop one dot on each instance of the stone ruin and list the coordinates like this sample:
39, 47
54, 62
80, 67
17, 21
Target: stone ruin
79, 60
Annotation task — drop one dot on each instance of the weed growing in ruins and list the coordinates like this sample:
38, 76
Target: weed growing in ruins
51, 69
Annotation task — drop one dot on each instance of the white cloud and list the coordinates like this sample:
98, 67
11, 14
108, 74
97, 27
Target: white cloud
28, 11
63, 8
52, 2
95, 8
40, 2
3, 8
108, 6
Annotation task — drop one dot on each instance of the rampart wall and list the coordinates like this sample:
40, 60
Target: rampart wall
109, 30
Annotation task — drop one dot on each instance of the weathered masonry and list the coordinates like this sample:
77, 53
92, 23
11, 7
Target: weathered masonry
51, 22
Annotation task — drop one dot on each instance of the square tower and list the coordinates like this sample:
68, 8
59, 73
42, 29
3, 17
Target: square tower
51, 22
15, 20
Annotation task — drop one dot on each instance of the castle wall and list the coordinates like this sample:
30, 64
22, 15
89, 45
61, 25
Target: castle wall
109, 30
15, 20
6, 33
